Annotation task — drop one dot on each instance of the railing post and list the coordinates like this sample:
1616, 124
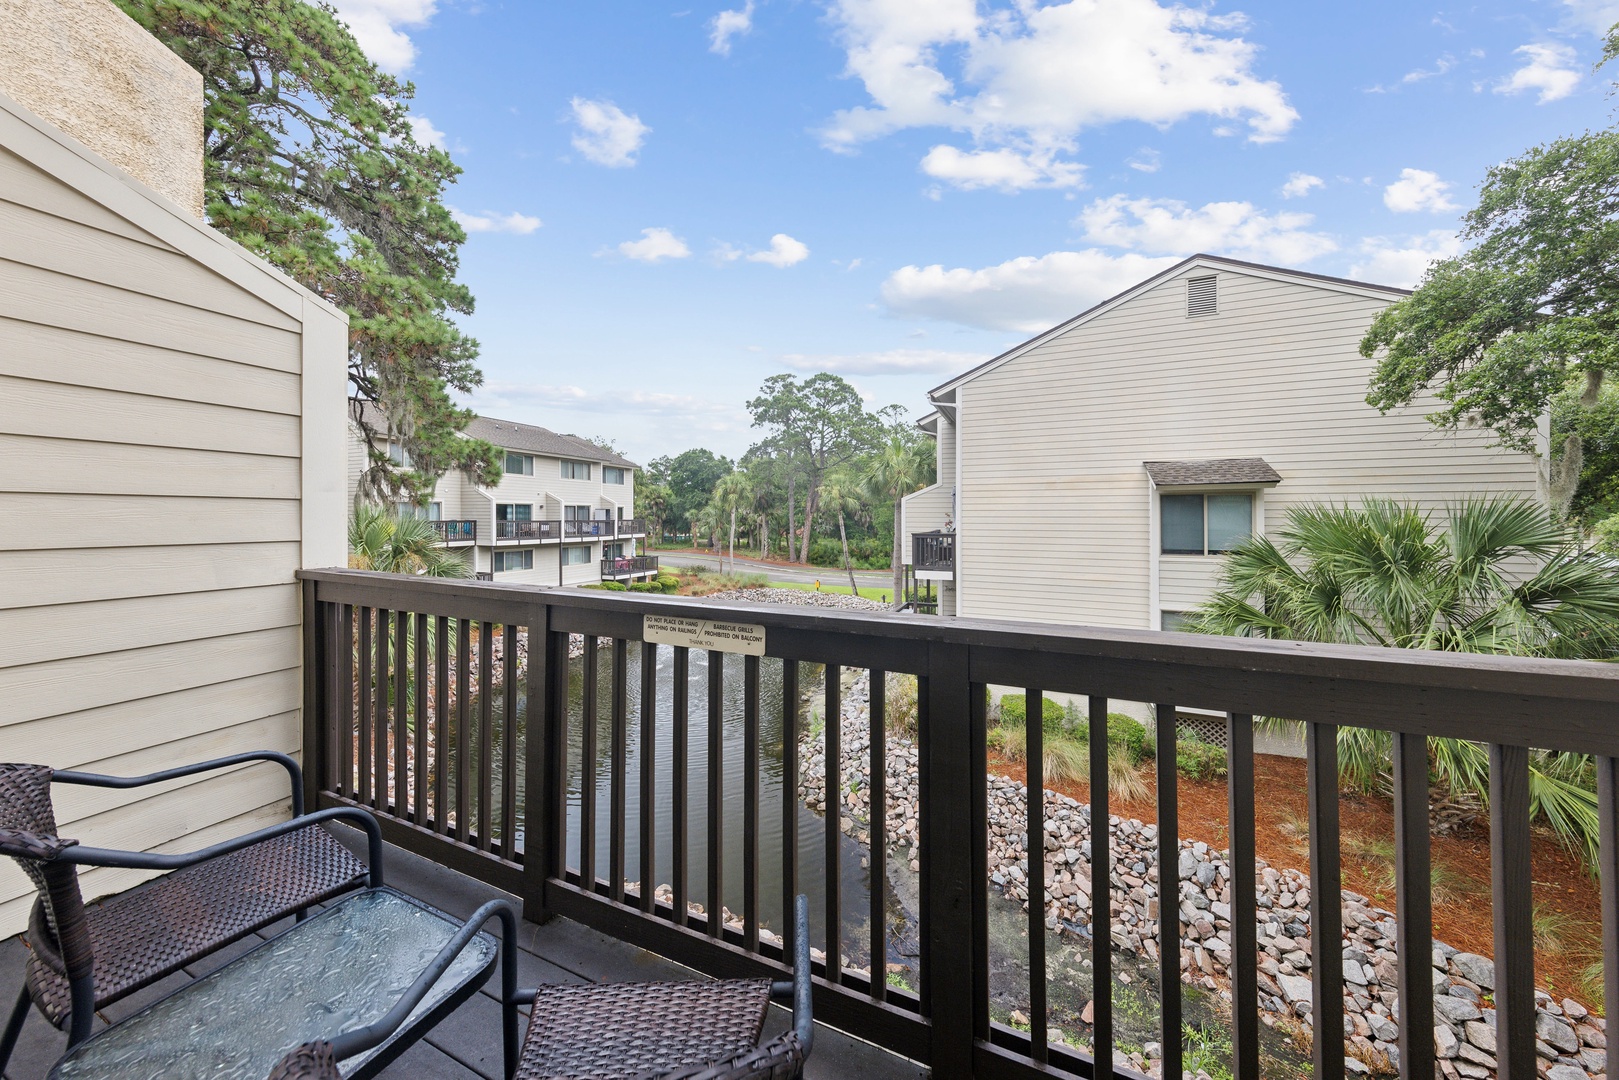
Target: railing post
954, 847
541, 726
313, 716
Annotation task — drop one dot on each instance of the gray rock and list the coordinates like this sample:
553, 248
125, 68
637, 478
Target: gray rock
1354, 973
1458, 1011
1445, 1042
1566, 1072
1469, 1052
1382, 1028
1481, 1035
1556, 1033
1296, 988
1475, 969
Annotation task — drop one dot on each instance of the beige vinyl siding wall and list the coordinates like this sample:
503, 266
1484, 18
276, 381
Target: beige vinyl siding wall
927, 510
169, 463
1053, 440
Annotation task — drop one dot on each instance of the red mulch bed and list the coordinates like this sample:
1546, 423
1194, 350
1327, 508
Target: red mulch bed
1462, 907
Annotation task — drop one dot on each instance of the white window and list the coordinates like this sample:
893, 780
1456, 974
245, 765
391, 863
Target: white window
612, 551
1205, 524
575, 556
1173, 620
519, 464
576, 470
611, 475
514, 512
398, 454
522, 559
576, 513
433, 511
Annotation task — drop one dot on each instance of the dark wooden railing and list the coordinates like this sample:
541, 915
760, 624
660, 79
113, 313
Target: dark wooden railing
600, 527
528, 530
456, 532
629, 566
933, 551
631, 526
420, 708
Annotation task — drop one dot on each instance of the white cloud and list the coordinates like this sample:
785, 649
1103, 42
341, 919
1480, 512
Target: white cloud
784, 251
424, 132
607, 134
376, 25
1418, 190
1401, 261
1170, 227
1027, 294
727, 25
1004, 169
1032, 76
891, 362
655, 245
1146, 160
1595, 16
1300, 184
521, 224
1550, 69
1440, 67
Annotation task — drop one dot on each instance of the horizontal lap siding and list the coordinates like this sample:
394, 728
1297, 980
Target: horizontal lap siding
1054, 506
151, 491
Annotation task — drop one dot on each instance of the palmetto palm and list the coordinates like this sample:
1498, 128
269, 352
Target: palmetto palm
893, 473
1495, 576
731, 494
840, 494
379, 539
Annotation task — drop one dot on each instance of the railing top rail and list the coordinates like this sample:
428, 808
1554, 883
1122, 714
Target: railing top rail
1557, 704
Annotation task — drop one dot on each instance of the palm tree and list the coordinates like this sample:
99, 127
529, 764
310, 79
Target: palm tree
731, 494
839, 493
652, 503
1496, 576
380, 539
898, 469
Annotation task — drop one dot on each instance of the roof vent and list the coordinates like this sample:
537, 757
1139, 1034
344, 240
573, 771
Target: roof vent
1201, 297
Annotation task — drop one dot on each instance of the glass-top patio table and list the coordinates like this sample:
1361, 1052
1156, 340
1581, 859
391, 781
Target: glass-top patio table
339, 970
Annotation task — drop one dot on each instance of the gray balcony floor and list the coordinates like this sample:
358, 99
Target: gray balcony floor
466, 1046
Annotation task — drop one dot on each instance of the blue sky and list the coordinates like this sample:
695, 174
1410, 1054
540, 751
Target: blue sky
668, 203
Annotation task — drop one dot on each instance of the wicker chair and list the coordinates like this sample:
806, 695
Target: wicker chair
84, 956
686, 1030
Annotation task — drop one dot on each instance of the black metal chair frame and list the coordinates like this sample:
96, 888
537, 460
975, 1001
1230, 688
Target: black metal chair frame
81, 983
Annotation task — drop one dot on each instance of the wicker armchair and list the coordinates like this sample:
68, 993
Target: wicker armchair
84, 956
686, 1030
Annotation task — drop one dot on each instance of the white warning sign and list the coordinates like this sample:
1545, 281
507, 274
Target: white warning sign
717, 634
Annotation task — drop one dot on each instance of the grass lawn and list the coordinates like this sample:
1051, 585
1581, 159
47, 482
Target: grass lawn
880, 595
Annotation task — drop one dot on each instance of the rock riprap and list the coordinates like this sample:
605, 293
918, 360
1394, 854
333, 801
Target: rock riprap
1569, 1040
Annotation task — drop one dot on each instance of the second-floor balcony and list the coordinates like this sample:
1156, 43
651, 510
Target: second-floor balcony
595, 528
454, 532
933, 556
629, 566
528, 530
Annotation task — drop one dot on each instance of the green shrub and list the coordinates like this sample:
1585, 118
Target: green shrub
645, 586
1014, 713
1130, 735
610, 586
1197, 760
901, 706
668, 582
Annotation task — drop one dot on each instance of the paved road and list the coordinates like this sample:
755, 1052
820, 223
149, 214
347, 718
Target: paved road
826, 575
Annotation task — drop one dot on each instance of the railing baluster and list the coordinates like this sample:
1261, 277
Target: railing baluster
750, 803
1169, 898
368, 702
418, 808
832, 784
347, 731
463, 730
1513, 904
716, 792
1242, 859
681, 733
1326, 900
441, 726
379, 721
877, 833
401, 718
1413, 905
508, 747
621, 749
1034, 764
647, 842
589, 717
1101, 896
789, 801
1608, 855
486, 736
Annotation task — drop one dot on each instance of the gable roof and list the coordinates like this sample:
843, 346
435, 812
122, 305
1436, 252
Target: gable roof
1212, 262
537, 440
1250, 470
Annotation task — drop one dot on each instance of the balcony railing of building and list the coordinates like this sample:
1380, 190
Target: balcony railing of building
933, 552
629, 566
528, 530
631, 526
456, 532
479, 767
